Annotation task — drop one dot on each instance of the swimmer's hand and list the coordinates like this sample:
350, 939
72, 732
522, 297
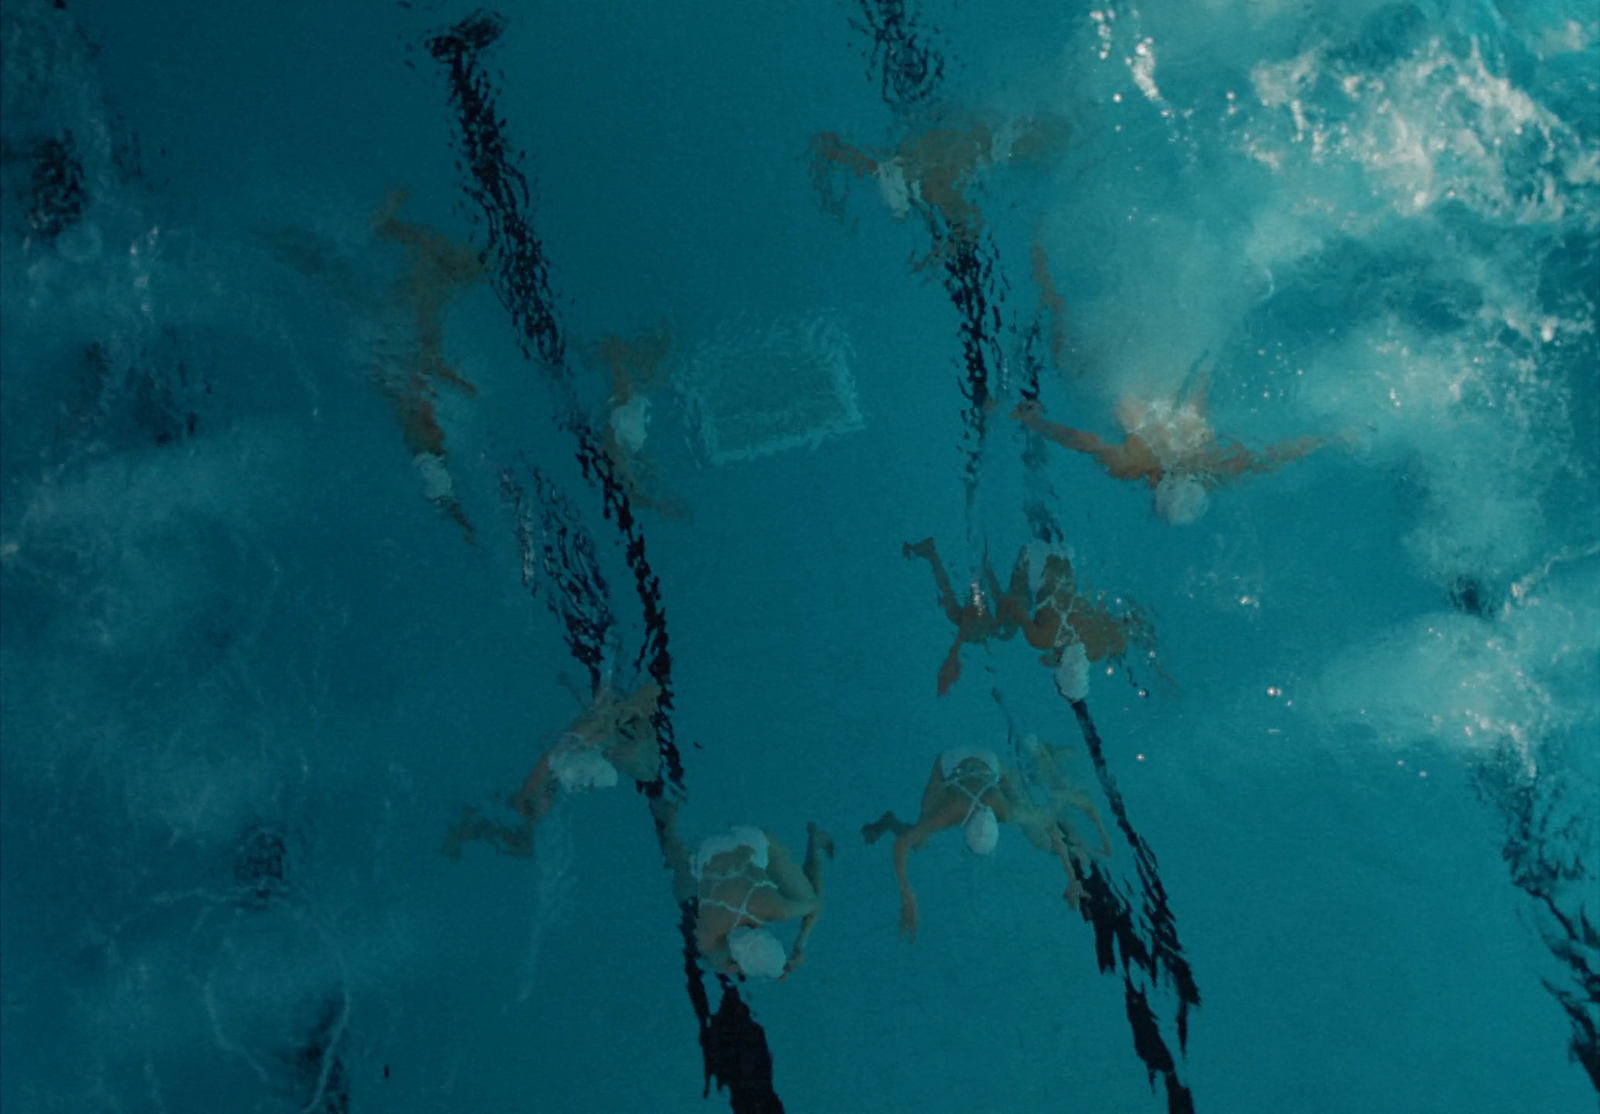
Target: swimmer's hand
1028, 412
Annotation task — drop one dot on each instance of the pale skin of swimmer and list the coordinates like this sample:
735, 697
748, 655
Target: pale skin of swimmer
1040, 617
1180, 441
735, 892
947, 802
619, 728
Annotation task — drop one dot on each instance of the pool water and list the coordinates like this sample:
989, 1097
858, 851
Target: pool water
397, 395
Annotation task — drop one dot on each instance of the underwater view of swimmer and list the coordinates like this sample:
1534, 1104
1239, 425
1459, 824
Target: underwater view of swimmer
969, 788
611, 734
1071, 628
1170, 447
743, 882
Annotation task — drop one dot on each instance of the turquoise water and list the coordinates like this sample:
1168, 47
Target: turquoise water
284, 599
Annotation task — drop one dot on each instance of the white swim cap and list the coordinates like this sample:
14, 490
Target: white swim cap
436, 482
631, 422
1181, 499
952, 758
1072, 675
757, 952
893, 188
983, 830
741, 836
582, 768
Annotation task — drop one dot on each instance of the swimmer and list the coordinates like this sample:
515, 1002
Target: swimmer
1063, 618
636, 365
930, 171
613, 734
1171, 448
400, 329
1052, 619
744, 882
970, 789
976, 619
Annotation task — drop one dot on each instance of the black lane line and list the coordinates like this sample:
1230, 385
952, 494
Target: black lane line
905, 62
976, 287
1117, 933
733, 1043
903, 59
560, 562
1531, 806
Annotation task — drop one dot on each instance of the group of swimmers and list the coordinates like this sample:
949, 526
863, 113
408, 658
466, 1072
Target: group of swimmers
745, 882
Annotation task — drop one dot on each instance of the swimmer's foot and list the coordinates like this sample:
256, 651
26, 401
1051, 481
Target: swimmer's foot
887, 824
908, 921
923, 549
949, 671
818, 840
1073, 893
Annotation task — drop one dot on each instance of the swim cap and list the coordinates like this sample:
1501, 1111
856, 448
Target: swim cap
741, 836
1181, 499
893, 187
582, 768
757, 952
1072, 675
631, 422
436, 482
983, 830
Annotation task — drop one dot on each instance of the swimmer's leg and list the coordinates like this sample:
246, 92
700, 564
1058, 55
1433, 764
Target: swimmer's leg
1072, 861
904, 836
950, 668
664, 811
1082, 802
887, 823
538, 793
1013, 608
908, 899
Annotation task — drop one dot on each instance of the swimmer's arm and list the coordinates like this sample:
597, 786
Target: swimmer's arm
908, 899
793, 886
1234, 461
664, 810
828, 147
635, 754
1284, 452
1130, 459
950, 668
538, 793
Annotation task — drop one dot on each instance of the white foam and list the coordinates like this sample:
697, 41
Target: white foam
1478, 684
